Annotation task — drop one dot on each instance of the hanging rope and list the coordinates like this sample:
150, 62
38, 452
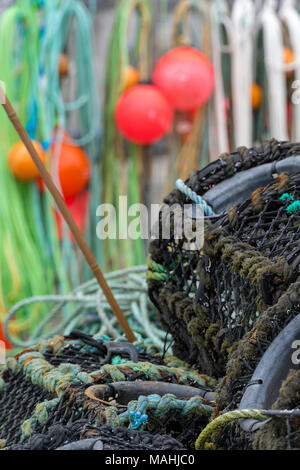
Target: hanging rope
33, 34
27, 254
192, 149
90, 310
122, 163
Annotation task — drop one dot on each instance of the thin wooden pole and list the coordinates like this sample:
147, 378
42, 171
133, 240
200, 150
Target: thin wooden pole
85, 249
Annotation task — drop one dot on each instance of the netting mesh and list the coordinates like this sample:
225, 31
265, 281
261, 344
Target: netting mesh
17, 404
112, 438
226, 303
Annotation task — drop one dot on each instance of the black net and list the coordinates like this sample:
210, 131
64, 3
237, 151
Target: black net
17, 404
112, 438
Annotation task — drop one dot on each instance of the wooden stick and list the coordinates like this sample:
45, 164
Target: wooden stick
85, 249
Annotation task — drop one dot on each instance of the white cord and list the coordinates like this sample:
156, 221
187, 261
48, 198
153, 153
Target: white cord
273, 45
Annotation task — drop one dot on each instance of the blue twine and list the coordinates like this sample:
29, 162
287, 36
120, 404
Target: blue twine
294, 205
286, 197
194, 197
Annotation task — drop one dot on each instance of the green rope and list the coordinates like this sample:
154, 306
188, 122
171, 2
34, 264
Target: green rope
155, 270
286, 197
55, 380
40, 416
20, 234
2, 443
293, 208
159, 406
32, 36
121, 162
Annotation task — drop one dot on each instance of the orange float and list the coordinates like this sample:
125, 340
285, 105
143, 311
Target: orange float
20, 163
73, 169
63, 65
288, 58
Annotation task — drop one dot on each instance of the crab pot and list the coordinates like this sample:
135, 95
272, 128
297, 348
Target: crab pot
225, 303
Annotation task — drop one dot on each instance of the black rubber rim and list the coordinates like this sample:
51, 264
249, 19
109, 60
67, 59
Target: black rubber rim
239, 187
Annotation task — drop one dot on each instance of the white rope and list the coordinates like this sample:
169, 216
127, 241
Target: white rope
131, 292
273, 45
242, 70
290, 16
218, 135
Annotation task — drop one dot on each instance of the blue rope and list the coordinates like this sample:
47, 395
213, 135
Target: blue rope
194, 197
294, 205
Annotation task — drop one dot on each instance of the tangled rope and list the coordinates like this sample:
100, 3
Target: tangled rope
92, 311
160, 406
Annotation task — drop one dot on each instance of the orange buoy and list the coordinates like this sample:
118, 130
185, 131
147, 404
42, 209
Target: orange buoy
63, 65
20, 163
256, 96
288, 58
131, 77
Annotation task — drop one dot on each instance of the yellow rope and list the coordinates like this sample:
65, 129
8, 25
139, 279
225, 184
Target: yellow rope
221, 421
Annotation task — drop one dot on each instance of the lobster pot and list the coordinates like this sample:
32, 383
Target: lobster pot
225, 302
65, 391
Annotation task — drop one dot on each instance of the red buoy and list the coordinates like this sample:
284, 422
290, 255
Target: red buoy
143, 114
185, 76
